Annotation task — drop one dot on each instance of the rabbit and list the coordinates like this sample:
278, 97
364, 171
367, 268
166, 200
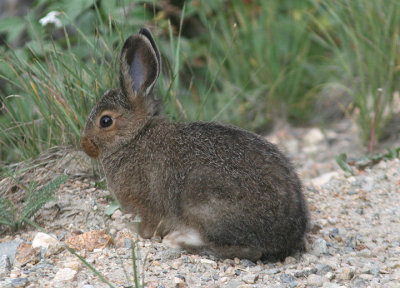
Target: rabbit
204, 187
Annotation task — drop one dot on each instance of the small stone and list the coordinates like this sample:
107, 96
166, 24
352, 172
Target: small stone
290, 260
330, 276
366, 253
305, 272
315, 228
179, 280
358, 282
223, 279
366, 276
19, 282
309, 259
74, 265
116, 215
287, 278
271, 271
346, 274
89, 241
247, 263
323, 179
65, 274
87, 286
176, 264
9, 249
212, 263
250, 278
124, 239
319, 247
359, 211
170, 254
5, 266
322, 269
43, 240
316, 280
333, 233
26, 254
314, 136
230, 271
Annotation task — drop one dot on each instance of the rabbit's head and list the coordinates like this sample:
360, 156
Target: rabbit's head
121, 113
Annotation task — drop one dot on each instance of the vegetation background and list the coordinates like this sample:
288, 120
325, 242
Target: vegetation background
247, 62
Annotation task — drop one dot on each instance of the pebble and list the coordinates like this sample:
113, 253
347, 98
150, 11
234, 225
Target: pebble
170, 254
19, 282
250, 278
313, 137
272, 271
43, 240
323, 179
212, 263
247, 263
65, 274
330, 276
116, 215
9, 249
322, 269
179, 280
5, 266
316, 280
346, 274
287, 278
319, 247
306, 272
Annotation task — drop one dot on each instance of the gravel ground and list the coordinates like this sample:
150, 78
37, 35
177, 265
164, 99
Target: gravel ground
354, 239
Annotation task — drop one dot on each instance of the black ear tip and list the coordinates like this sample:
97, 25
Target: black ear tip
145, 32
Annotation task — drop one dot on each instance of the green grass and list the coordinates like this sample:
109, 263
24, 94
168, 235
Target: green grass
363, 39
33, 202
258, 59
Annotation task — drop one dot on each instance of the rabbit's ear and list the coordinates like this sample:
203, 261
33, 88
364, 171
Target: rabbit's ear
139, 65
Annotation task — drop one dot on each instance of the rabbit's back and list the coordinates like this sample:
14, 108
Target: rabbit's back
233, 186
244, 188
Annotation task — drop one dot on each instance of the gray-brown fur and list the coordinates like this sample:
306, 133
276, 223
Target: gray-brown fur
231, 186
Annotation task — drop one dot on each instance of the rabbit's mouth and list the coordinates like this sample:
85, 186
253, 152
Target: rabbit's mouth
89, 147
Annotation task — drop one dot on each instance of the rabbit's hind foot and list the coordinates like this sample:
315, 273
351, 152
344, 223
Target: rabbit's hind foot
184, 238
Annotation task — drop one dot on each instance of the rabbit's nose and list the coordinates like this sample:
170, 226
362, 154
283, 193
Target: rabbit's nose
89, 147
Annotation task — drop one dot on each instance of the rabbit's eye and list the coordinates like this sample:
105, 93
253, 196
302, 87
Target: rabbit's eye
106, 121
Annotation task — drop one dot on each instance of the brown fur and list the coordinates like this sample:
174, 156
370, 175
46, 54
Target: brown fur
235, 188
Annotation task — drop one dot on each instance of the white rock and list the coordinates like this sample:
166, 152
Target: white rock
324, 178
250, 278
209, 262
330, 275
116, 215
314, 136
65, 274
178, 279
43, 240
316, 280
319, 247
